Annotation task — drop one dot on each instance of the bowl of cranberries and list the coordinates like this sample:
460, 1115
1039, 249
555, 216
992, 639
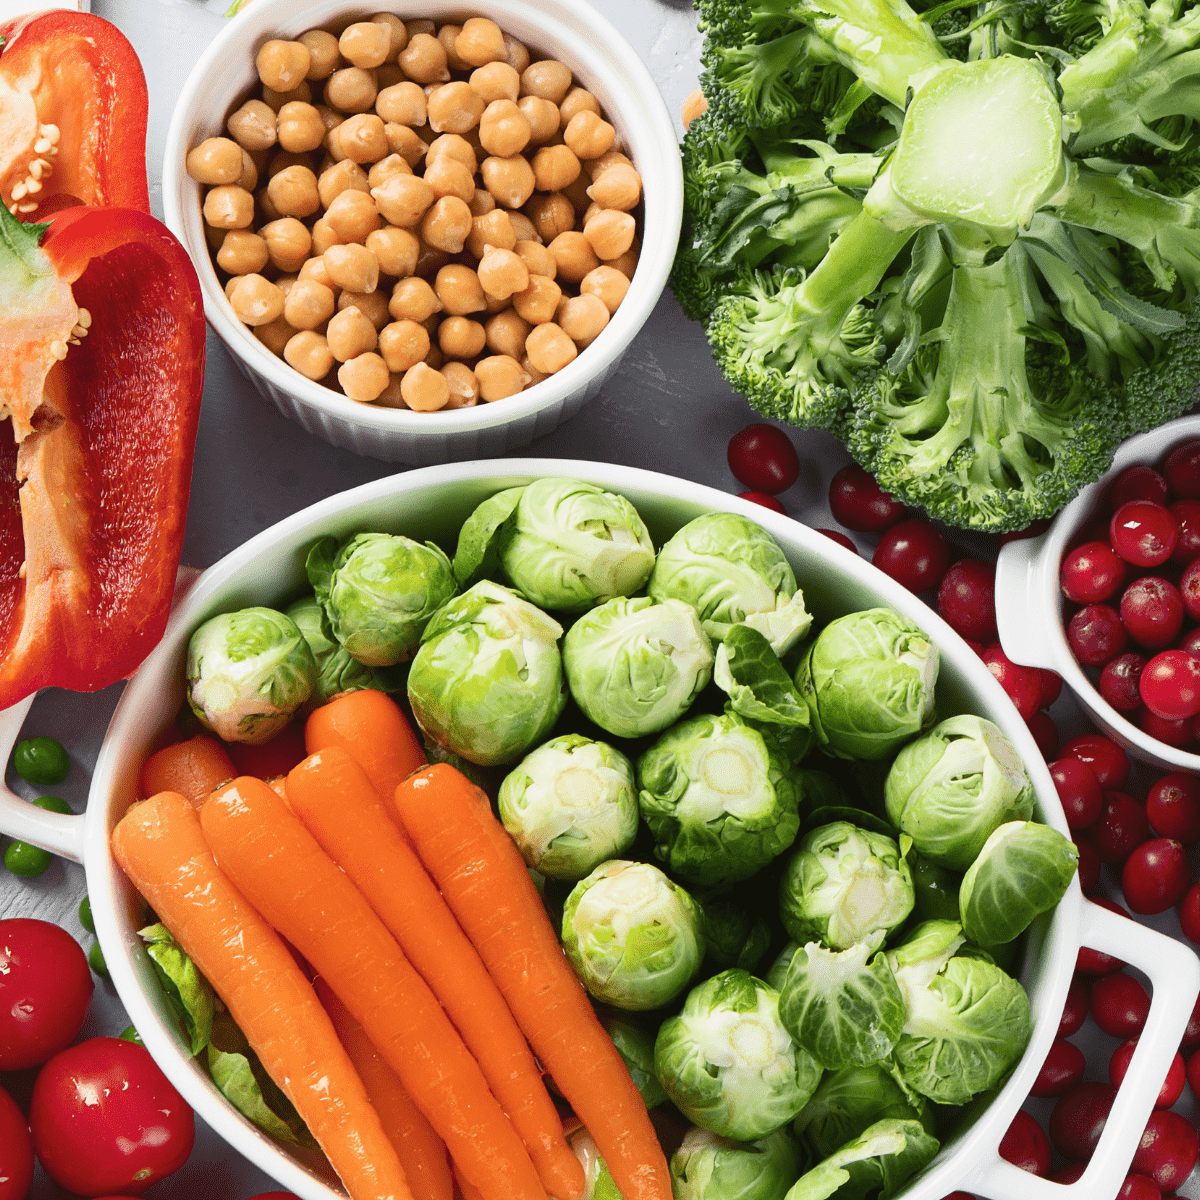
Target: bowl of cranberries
1109, 597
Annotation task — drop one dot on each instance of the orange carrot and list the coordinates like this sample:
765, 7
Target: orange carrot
331, 794
279, 867
464, 1186
160, 847
370, 727
270, 759
420, 1149
192, 768
485, 882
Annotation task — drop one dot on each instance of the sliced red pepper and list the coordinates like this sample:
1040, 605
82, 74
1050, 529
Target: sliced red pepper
96, 440
72, 115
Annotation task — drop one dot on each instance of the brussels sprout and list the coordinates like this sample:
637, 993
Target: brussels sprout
636, 1048
849, 1101
728, 1063
877, 1163
746, 669
708, 1167
966, 1021
247, 673
732, 934
778, 970
719, 797
1023, 870
337, 671
869, 679
477, 555
953, 788
379, 591
598, 1183
634, 938
732, 572
634, 667
844, 886
569, 805
487, 682
936, 889
840, 1008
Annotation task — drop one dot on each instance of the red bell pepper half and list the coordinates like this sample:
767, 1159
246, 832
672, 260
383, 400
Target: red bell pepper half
72, 115
101, 373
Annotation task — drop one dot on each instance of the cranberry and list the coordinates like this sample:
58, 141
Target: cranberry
1095, 962
1092, 572
1078, 789
1032, 530
1121, 829
1167, 1152
1170, 733
1189, 914
959, 1196
1120, 1005
1152, 612
1173, 806
1045, 733
913, 553
1191, 641
1096, 634
1023, 684
1078, 1118
840, 538
1139, 1187
1182, 470
1051, 686
1071, 1173
1172, 1087
1170, 685
857, 502
1109, 763
1155, 876
1138, 482
977, 648
1193, 1073
763, 499
1075, 1009
1088, 866
763, 458
1189, 589
966, 599
1143, 533
1119, 682
1026, 1145
1187, 514
1062, 1069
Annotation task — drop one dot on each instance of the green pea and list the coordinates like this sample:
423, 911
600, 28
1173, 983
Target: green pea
129, 1034
30, 861
41, 761
85, 915
96, 961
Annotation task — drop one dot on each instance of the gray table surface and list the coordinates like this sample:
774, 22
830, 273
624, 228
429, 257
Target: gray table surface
666, 409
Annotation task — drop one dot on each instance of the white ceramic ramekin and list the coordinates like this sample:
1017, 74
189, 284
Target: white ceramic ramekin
571, 30
1029, 600
433, 504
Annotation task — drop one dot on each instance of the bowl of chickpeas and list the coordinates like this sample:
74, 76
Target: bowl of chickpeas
425, 235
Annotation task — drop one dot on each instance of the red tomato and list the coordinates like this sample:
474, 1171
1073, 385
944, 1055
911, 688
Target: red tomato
16, 1153
106, 1119
45, 990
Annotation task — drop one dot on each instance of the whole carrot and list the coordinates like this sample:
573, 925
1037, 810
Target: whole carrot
192, 768
161, 848
279, 867
420, 1149
487, 886
332, 796
370, 727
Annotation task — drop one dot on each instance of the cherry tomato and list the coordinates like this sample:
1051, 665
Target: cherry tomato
1119, 682
1079, 790
1119, 1005
1172, 1087
764, 459
760, 498
1026, 1145
913, 553
1156, 876
1109, 763
858, 502
1121, 829
1182, 470
1139, 482
1076, 1007
1045, 733
1095, 962
1170, 685
1092, 572
1096, 634
1062, 1069
1189, 914
16, 1150
1167, 1151
840, 538
1088, 866
1078, 1118
966, 599
1022, 684
45, 991
106, 1119
1143, 533
1173, 807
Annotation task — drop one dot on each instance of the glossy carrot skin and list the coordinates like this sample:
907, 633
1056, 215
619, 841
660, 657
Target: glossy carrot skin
370, 727
332, 796
192, 768
279, 867
487, 886
160, 846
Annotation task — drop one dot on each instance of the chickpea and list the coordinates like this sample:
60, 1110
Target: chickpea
403, 200
330, 118
275, 101
414, 300
496, 81
265, 205
499, 376
549, 349
551, 215
352, 267
252, 126
609, 232
506, 333
283, 159
405, 142
481, 203
554, 168
588, 135
316, 270
397, 34
230, 284
300, 128
403, 344
430, 261
308, 353
578, 100
592, 210
515, 53
538, 300
446, 224
323, 55
350, 333
459, 290
274, 335
282, 65
574, 255
228, 206
694, 106
216, 160
372, 305
424, 388
577, 193
287, 242
448, 35
361, 138
510, 180
285, 283
365, 44
249, 176
620, 186
423, 60
492, 229
583, 318
503, 129
464, 387
308, 304
345, 176
448, 177
395, 250
627, 262
403, 103
549, 79
523, 228
606, 283
351, 90
293, 192
502, 273
454, 108
496, 305
537, 259
363, 377
460, 337
542, 115
242, 252
418, 25
255, 300
385, 169
456, 147
596, 167
390, 396
324, 236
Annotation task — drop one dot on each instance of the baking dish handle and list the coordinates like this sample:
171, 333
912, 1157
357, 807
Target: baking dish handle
60, 833
1174, 973
1019, 585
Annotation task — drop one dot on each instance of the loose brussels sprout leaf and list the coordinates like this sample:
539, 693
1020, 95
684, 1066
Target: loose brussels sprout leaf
777, 972
634, 938
878, 1163
849, 1101
1023, 870
734, 937
337, 671
733, 573
708, 1167
822, 790
844, 886
598, 1183
571, 545
634, 667
187, 991
636, 1048
727, 1061
936, 889
840, 1008
487, 682
477, 555
569, 805
869, 680
379, 593
719, 797
794, 741
953, 788
247, 673
748, 671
